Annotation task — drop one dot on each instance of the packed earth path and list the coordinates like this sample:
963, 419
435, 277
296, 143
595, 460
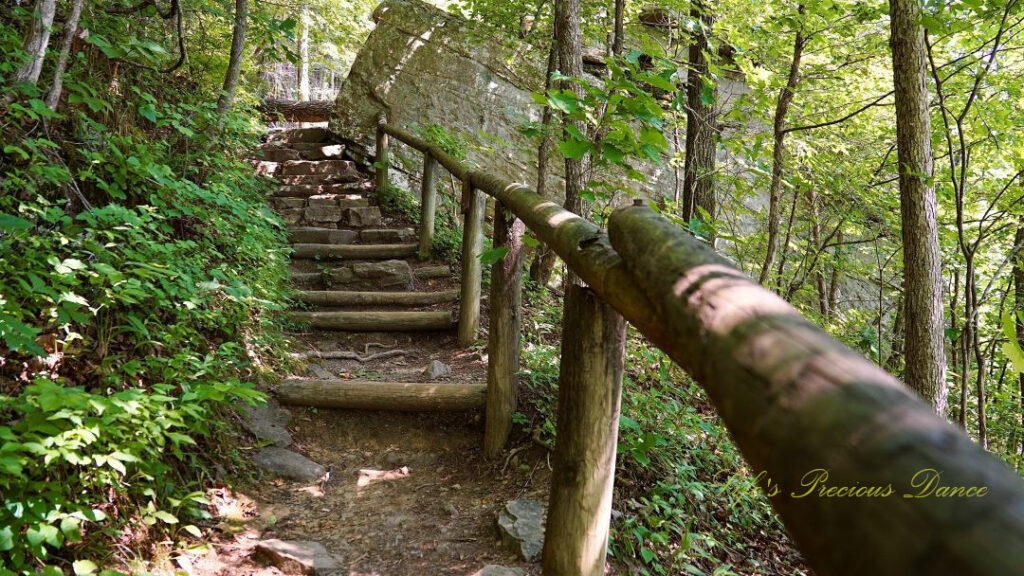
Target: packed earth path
344, 482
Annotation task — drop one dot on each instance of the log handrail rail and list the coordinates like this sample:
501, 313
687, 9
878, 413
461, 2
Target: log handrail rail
795, 400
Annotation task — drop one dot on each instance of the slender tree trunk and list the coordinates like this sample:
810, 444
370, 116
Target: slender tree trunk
618, 41
544, 262
37, 41
303, 68
70, 30
833, 286
779, 151
1018, 296
570, 62
899, 325
819, 273
926, 363
785, 243
701, 93
227, 96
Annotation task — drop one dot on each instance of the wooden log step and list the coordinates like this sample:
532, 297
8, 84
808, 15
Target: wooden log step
373, 395
353, 251
348, 298
424, 272
377, 321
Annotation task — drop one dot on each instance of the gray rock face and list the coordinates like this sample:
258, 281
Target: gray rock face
495, 570
298, 556
268, 422
288, 464
436, 369
422, 66
521, 526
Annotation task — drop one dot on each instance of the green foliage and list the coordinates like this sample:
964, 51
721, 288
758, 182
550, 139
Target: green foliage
140, 275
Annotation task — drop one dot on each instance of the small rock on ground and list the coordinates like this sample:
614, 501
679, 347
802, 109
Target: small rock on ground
302, 556
288, 464
521, 526
495, 570
436, 369
268, 422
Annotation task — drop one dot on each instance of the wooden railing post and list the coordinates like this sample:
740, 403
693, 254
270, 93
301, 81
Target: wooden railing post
382, 160
428, 204
589, 396
503, 334
474, 203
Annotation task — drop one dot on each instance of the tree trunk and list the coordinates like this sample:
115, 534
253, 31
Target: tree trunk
569, 39
699, 165
589, 396
70, 30
619, 40
833, 285
544, 262
779, 151
37, 41
472, 245
1018, 296
303, 66
926, 363
227, 94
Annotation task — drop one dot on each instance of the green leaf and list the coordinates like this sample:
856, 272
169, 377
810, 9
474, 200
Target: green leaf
193, 531
647, 554
166, 516
82, 567
563, 101
148, 112
573, 149
6, 538
43, 533
8, 222
489, 257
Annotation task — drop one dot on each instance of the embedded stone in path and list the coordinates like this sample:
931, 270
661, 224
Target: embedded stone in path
298, 556
269, 422
495, 570
393, 274
288, 464
521, 526
436, 369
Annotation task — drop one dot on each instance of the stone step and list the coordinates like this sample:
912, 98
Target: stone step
376, 395
277, 154
383, 275
319, 200
377, 320
353, 251
329, 298
320, 179
341, 214
320, 235
307, 190
386, 235
300, 167
301, 135
333, 151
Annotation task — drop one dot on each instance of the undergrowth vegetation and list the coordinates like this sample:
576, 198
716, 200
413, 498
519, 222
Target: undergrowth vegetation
685, 502
140, 272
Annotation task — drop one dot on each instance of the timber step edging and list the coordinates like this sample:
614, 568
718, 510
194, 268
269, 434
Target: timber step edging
370, 298
377, 320
353, 251
381, 395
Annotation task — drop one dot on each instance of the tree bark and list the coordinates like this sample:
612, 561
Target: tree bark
569, 39
925, 357
472, 245
303, 66
37, 41
70, 30
701, 129
377, 395
544, 262
503, 331
376, 320
618, 41
779, 150
589, 396
227, 94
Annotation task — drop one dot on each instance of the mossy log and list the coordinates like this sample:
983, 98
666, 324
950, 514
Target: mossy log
376, 321
374, 395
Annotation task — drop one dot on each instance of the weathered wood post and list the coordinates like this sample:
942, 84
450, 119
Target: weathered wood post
428, 205
382, 160
503, 336
589, 396
472, 243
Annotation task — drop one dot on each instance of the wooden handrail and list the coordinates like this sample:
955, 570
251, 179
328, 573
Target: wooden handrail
797, 402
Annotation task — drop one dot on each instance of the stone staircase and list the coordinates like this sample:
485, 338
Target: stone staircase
357, 272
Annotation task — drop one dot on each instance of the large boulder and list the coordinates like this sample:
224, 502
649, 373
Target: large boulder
423, 66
